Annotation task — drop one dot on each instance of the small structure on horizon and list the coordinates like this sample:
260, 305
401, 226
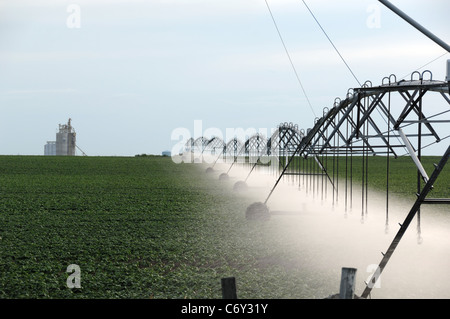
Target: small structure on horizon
65, 143
166, 153
50, 148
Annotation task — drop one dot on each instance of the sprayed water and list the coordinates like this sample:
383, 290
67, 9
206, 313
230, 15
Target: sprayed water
336, 237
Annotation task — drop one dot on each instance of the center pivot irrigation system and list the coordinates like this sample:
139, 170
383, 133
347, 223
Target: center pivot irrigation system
396, 118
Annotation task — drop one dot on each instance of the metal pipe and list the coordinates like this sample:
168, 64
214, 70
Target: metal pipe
413, 155
414, 23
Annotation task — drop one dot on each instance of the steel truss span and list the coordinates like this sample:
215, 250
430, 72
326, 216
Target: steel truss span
393, 119
396, 118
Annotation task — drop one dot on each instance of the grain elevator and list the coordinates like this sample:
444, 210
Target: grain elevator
65, 141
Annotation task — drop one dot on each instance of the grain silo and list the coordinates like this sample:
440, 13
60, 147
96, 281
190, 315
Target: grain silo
66, 140
50, 148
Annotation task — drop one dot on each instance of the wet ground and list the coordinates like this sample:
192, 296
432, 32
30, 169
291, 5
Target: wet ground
335, 235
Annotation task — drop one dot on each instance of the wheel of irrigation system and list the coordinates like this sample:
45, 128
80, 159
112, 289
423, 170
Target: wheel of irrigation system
257, 211
240, 186
209, 170
224, 177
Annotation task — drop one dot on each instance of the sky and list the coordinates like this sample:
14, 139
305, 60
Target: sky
129, 73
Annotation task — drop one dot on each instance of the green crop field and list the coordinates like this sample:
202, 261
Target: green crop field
402, 173
138, 227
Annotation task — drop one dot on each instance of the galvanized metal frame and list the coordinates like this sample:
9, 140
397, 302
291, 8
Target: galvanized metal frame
360, 134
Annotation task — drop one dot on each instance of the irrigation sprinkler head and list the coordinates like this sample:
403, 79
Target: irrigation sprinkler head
240, 186
257, 211
224, 177
419, 240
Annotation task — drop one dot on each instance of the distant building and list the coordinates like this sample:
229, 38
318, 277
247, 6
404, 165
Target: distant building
65, 140
65, 143
166, 153
50, 148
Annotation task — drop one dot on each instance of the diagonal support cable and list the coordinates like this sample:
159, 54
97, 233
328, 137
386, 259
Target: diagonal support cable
289, 57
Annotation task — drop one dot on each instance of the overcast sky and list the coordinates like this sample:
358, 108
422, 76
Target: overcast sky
129, 72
